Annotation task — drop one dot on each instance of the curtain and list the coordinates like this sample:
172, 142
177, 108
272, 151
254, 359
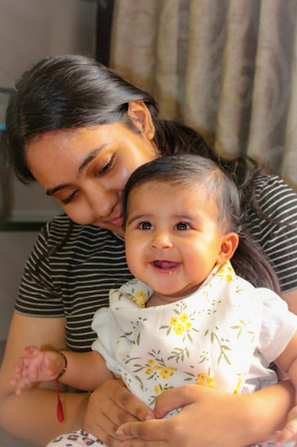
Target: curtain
228, 68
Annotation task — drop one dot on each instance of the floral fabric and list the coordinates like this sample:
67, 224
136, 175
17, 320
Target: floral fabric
208, 338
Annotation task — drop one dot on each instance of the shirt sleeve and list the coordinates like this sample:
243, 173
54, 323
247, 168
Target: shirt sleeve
278, 327
38, 296
107, 336
277, 235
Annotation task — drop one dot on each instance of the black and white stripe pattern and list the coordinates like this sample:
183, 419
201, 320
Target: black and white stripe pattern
76, 280
278, 238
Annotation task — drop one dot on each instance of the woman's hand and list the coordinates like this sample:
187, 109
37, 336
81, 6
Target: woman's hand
111, 405
289, 432
202, 421
210, 417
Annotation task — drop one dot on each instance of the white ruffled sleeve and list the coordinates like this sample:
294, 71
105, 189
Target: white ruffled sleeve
277, 329
278, 326
107, 335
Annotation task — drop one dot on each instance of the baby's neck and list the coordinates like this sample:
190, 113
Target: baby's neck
161, 300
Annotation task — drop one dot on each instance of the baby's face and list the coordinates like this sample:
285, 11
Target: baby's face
172, 237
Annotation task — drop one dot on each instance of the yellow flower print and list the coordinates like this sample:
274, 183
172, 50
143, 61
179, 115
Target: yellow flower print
221, 270
183, 318
188, 325
141, 294
179, 329
171, 368
149, 371
201, 377
229, 278
135, 300
141, 303
150, 361
173, 321
236, 391
159, 389
157, 367
203, 380
210, 382
165, 373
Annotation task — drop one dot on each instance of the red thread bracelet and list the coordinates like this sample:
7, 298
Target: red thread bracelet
60, 412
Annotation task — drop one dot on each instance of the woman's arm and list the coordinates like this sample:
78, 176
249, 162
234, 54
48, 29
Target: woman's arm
32, 415
212, 417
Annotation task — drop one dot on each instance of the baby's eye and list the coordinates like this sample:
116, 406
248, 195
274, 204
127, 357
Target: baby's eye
182, 226
145, 226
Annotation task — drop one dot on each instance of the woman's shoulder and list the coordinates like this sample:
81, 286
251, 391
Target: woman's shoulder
272, 184
275, 198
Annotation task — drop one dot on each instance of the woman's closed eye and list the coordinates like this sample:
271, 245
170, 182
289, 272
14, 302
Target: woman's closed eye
182, 226
106, 168
70, 198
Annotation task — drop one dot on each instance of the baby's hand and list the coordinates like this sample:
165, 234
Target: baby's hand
36, 366
289, 432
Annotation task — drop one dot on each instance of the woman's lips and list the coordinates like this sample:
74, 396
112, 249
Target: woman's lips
118, 221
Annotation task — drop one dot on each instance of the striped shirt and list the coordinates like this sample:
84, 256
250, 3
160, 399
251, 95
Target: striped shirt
74, 281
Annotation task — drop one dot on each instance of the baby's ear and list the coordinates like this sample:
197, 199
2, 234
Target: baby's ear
229, 244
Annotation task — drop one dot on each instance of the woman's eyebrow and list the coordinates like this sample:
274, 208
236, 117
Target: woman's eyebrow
51, 191
89, 158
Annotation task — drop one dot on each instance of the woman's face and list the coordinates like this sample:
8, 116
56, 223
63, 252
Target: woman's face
86, 169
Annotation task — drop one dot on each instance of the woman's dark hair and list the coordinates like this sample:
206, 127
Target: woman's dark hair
189, 170
65, 92
71, 91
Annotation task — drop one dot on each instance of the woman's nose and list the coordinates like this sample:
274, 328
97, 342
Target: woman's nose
102, 202
161, 240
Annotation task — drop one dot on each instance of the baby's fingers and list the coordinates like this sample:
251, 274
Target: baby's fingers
20, 383
31, 350
19, 366
18, 372
287, 434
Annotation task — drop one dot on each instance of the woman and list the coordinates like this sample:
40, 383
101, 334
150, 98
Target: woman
80, 130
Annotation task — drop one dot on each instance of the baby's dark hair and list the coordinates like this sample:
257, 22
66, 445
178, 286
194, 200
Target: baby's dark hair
187, 170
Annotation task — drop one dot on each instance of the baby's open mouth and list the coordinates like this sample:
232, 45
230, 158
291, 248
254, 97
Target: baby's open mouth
165, 265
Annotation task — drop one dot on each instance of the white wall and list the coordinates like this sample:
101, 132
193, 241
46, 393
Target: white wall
29, 30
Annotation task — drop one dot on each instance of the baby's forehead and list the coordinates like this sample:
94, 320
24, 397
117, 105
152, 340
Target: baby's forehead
169, 190
174, 186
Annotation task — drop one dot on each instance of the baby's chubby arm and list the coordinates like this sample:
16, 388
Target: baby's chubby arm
86, 371
288, 362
